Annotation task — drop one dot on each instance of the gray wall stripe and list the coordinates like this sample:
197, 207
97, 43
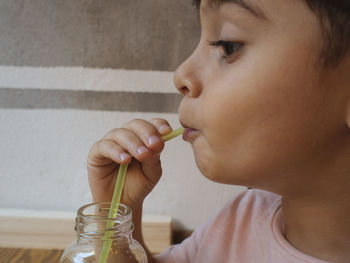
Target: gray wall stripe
137, 34
11, 98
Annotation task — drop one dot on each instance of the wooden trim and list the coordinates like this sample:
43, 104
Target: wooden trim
16, 255
55, 230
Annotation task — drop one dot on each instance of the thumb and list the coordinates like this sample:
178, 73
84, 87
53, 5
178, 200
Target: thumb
152, 168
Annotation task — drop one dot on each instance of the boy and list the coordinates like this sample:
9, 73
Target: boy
266, 105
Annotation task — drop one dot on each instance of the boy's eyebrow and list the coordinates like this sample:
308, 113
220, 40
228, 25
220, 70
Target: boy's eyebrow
256, 11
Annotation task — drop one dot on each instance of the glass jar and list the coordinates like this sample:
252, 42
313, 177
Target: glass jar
91, 226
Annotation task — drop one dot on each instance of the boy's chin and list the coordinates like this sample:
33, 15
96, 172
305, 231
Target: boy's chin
215, 171
227, 177
214, 175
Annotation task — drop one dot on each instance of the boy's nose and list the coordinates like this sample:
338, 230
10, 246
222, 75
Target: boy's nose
186, 78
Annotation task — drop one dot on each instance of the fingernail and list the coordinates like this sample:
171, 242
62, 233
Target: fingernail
153, 140
142, 149
164, 128
124, 156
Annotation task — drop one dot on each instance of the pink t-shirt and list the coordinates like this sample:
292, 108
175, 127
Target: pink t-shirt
249, 229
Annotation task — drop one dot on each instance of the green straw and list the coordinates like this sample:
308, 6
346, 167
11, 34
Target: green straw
173, 134
116, 198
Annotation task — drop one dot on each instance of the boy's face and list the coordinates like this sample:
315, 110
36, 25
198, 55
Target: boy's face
263, 115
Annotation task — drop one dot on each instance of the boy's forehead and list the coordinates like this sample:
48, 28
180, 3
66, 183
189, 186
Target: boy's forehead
249, 5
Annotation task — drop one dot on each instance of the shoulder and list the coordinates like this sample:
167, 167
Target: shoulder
232, 224
236, 223
247, 207
252, 200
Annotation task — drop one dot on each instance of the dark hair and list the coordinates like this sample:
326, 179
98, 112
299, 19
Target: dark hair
334, 16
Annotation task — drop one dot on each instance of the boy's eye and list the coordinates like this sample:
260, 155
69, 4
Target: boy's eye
229, 47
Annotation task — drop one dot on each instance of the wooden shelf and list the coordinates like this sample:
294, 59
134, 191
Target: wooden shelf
16, 255
55, 230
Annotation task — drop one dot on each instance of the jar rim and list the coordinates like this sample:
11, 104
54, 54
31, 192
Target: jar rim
123, 210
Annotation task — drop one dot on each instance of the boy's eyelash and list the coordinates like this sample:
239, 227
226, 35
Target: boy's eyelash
229, 47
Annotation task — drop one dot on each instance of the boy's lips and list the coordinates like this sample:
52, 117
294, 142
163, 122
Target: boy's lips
189, 133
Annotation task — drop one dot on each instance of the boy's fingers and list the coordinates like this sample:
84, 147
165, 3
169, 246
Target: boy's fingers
108, 149
147, 133
131, 142
162, 126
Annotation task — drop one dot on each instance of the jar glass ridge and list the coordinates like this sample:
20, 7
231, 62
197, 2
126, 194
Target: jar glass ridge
92, 232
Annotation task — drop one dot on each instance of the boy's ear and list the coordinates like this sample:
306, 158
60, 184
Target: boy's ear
347, 86
348, 115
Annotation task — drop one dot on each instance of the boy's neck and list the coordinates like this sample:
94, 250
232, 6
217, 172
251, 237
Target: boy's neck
320, 229
317, 211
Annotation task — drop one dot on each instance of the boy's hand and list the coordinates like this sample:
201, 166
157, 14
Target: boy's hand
138, 138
